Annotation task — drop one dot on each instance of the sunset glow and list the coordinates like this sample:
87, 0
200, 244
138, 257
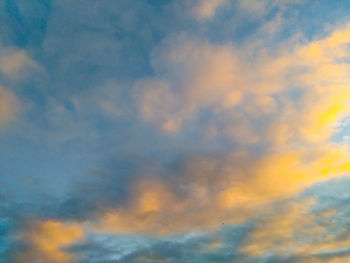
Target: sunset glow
174, 131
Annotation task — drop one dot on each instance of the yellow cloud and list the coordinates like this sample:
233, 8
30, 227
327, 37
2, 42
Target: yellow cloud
294, 230
276, 233
47, 240
227, 189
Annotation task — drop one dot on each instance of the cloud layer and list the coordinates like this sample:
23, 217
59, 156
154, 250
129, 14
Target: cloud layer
174, 131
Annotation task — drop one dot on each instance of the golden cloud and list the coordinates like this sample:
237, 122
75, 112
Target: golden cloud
210, 191
47, 239
297, 231
231, 187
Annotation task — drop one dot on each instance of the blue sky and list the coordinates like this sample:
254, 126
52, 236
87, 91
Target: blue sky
174, 131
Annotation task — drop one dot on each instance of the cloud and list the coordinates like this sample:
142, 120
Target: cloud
46, 241
160, 198
220, 130
205, 9
305, 231
308, 228
216, 189
253, 6
261, 8
193, 76
219, 246
237, 87
156, 103
9, 106
12, 61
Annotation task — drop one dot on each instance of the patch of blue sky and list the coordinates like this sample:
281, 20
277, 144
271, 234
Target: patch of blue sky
24, 23
342, 132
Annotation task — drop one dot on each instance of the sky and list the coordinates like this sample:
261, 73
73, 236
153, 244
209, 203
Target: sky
174, 131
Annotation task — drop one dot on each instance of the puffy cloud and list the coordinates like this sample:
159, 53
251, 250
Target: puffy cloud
193, 76
250, 126
237, 88
157, 103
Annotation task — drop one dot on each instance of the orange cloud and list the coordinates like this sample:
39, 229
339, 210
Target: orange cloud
47, 240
